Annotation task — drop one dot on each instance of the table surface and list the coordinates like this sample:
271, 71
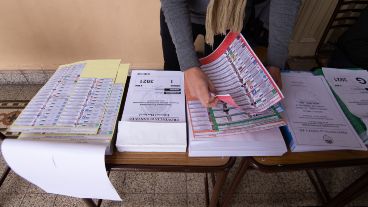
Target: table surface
294, 158
164, 158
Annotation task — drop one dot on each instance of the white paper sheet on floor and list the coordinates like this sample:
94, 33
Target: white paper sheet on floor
70, 169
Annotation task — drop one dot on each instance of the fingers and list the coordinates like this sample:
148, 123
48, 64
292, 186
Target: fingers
211, 87
204, 96
212, 102
200, 86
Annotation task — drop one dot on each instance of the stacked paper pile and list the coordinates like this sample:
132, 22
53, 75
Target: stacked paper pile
79, 103
245, 125
67, 129
267, 142
154, 113
315, 120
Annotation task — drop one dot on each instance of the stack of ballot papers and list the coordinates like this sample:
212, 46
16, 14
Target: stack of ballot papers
67, 128
154, 113
79, 103
246, 122
315, 120
351, 88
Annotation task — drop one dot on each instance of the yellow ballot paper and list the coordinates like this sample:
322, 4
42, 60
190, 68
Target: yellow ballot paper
101, 68
122, 73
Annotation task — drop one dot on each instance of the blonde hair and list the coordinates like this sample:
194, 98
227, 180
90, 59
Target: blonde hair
223, 15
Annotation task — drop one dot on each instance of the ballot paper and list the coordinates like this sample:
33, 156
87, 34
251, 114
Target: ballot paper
268, 142
74, 100
245, 121
69, 169
67, 129
154, 113
315, 120
234, 69
250, 103
352, 88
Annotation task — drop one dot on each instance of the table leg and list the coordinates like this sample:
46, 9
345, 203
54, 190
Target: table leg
353, 191
89, 202
4, 175
243, 166
217, 188
206, 189
318, 185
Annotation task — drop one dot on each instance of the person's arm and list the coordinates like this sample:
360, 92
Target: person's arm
283, 14
177, 16
178, 21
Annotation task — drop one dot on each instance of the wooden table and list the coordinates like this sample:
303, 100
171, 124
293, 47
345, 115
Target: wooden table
172, 162
309, 161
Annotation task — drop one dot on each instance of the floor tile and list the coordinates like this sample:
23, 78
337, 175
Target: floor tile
268, 199
29, 91
117, 179
2, 80
48, 74
34, 189
137, 200
2, 163
169, 200
14, 184
10, 92
14, 77
336, 179
361, 200
296, 181
11, 199
196, 200
38, 199
258, 182
171, 183
35, 77
139, 182
241, 200
302, 199
66, 201
195, 183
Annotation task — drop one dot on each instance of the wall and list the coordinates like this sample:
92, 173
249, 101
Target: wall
41, 34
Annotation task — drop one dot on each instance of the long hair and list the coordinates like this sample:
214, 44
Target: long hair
223, 15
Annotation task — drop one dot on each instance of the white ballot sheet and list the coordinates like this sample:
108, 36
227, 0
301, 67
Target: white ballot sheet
154, 113
352, 88
69, 169
153, 137
315, 119
155, 96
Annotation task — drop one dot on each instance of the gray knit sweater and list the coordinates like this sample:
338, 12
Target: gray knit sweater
179, 15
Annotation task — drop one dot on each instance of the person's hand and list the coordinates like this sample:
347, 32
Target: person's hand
275, 73
200, 86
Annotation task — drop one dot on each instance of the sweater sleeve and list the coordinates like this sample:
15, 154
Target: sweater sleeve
177, 17
283, 14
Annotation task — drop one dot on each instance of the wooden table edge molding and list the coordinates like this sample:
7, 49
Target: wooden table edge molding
121, 159
325, 158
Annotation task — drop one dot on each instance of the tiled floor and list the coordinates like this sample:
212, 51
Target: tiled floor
180, 189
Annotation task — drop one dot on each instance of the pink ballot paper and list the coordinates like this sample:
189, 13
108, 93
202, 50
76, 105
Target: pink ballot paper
245, 89
227, 99
234, 69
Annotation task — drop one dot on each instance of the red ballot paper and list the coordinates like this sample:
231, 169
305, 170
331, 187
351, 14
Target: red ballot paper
227, 99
